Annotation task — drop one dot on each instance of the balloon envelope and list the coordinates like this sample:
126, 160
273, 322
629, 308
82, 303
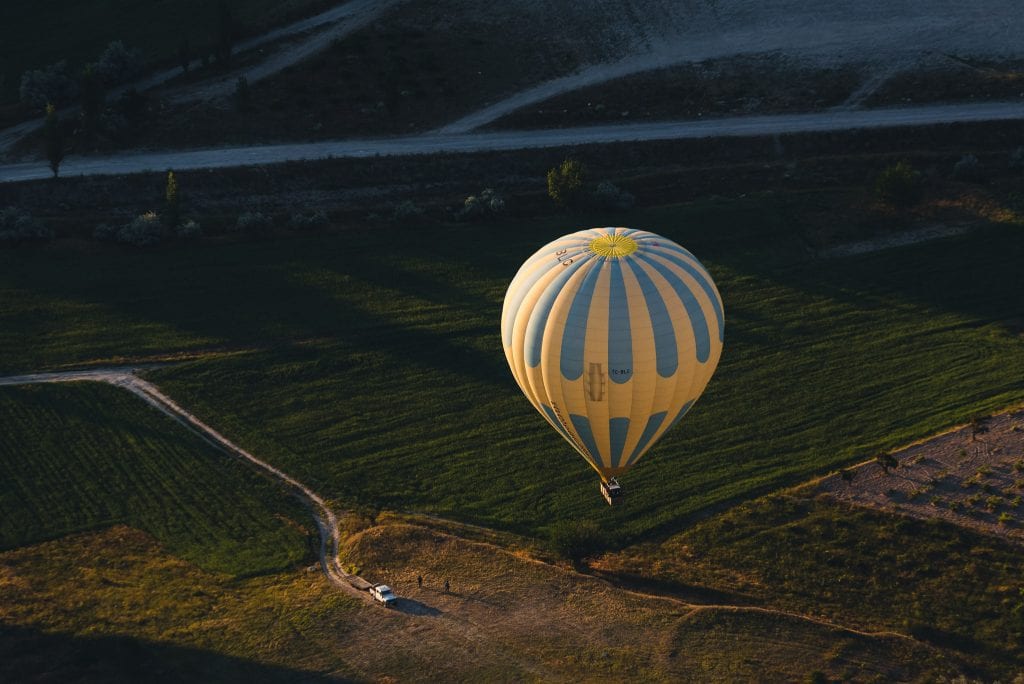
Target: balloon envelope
612, 334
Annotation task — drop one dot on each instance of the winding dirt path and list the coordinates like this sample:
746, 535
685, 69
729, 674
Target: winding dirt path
125, 378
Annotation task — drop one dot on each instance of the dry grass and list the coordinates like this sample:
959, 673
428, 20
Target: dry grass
113, 605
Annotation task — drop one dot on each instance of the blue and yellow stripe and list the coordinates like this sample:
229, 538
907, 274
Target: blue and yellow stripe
612, 334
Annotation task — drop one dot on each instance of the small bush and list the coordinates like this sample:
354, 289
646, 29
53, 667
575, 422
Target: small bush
487, 203
1017, 159
565, 182
405, 211
254, 223
899, 185
144, 230
967, 169
1005, 518
607, 195
105, 232
308, 220
188, 230
17, 226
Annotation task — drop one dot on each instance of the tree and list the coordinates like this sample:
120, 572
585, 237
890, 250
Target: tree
847, 475
243, 97
977, 428
118, 63
50, 85
184, 55
225, 33
92, 100
172, 210
565, 182
54, 139
899, 185
886, 461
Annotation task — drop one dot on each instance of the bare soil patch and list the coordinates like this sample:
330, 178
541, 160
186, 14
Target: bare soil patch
972, 477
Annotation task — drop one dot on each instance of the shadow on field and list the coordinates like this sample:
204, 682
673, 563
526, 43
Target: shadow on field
28, 654
413, 607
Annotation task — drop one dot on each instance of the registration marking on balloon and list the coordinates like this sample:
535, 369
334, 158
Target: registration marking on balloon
612, 334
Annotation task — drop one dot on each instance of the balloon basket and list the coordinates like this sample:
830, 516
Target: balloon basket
612, 492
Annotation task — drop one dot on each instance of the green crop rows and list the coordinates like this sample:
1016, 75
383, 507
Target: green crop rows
85, 456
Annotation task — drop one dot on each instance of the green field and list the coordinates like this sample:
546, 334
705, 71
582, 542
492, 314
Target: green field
376, 375
41, 33
87, 456
948, 586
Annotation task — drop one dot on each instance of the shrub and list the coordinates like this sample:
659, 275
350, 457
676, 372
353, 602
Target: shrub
308, 220
1005, 518
50, 84
188, 230
118, 63
607, 195
1017, 159
105, 232
967, 169
487, 203
899, 185
242, 96
18, 226
405, 211
142, 231
565, 182
254, 222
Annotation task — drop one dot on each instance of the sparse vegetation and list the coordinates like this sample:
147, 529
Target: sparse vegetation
900, 185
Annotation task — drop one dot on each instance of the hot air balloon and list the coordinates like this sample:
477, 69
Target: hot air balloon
612, 334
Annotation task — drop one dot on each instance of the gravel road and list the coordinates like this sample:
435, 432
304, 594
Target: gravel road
216, 158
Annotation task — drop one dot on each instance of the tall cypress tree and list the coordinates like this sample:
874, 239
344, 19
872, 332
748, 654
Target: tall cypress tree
54, 139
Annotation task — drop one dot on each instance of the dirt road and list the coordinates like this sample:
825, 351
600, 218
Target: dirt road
125, 378
214, 158
322, 29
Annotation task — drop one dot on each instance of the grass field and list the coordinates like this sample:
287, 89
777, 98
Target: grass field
954, 588
41, 33
88, 456
377, 377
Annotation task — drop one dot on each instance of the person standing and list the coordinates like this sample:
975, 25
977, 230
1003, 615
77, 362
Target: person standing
419, 581
446, 586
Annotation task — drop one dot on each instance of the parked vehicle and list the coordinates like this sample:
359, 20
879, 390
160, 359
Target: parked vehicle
383, 594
